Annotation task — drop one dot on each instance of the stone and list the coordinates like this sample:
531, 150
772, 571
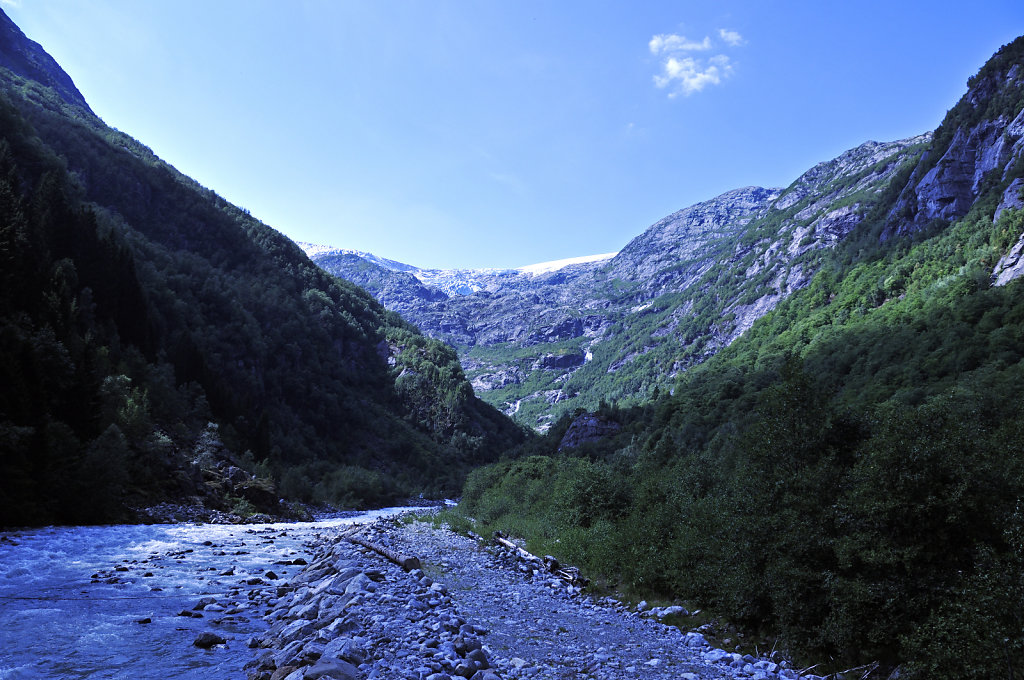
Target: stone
695, 640
336, 669
486, 675
297, 629
202, 604
346, 650
674, 610
283, 672
290, 655
208, 639
360, 583
716, 655
1012, 198
478, 657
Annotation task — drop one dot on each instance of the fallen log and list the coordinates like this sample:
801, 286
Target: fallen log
570, 575
406, 562
500, 539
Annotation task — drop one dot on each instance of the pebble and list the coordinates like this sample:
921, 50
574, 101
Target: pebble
470, 611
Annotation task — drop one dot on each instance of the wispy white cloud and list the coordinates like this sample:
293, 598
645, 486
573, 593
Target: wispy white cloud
683, 74
676, 43
689, 75
10, 3
731, 38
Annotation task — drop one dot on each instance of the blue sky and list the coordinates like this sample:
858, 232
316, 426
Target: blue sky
498, 134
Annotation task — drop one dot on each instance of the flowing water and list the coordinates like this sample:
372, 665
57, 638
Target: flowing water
74, 600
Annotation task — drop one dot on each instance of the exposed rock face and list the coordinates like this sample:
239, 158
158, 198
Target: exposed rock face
692, 235
555, 361
1013, 198
395, 289
948, 190
983, 148
588, 427
698, 279
1010, 266
536, 342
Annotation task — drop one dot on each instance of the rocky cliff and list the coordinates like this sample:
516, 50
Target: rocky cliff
977, 146
622, 329
539, 344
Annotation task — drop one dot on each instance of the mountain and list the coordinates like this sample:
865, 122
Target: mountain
845, 474
27, 60
542, 342
154, 337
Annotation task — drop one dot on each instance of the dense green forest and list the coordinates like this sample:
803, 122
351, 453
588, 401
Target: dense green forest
137, 307
848, 474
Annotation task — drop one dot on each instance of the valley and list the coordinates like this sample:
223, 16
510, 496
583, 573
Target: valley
621, 328
793, 408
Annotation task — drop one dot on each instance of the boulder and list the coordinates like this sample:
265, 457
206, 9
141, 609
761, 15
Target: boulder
235, 475
260, 492
336, 669
208, 639
588, 427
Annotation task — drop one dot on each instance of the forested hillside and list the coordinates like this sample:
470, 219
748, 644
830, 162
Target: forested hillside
847, 474
137, 307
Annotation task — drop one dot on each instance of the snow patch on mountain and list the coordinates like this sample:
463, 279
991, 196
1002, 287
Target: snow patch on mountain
555, 265
455, 281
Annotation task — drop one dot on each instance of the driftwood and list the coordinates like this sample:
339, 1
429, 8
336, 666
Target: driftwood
500, 539
406, 562
570, 575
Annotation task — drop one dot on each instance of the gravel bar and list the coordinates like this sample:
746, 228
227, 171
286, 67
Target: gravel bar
467, 610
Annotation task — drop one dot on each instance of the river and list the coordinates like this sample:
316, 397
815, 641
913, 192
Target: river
104, 601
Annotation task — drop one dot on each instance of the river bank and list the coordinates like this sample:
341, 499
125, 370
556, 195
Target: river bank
305, 601
130, 600
469, 610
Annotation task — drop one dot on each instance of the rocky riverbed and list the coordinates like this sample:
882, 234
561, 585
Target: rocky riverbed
146, 601
467, 609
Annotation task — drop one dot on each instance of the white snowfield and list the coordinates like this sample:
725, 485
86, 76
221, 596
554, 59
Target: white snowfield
312, 250
555, 265
464, 276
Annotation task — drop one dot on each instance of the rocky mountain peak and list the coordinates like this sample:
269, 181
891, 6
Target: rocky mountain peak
698, 279
545, 341
687, 232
